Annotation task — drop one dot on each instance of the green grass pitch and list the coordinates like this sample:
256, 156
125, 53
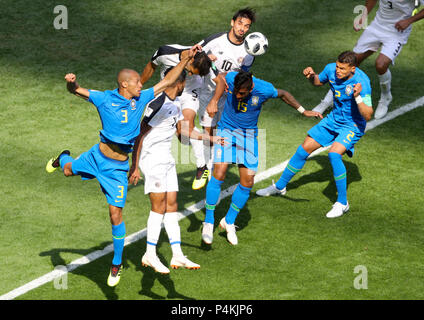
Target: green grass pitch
287, 248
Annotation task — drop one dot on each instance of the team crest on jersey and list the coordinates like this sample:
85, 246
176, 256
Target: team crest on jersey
349, 90
240, 60
132, 104
255, 100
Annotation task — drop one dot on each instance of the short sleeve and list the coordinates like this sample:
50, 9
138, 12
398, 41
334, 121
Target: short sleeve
230, 79
96, 97
366, 92
146, 96
324, 75
269, 90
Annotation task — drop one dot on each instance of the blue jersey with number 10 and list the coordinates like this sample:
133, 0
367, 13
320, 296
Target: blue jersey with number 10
121, 118
245, 114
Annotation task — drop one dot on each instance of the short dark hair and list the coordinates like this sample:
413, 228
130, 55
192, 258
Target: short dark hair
202, 63
243, 79
347, 57
181, 77
247, 12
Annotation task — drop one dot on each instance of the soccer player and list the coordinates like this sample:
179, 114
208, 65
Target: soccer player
342, 128
152, 153
246, 95
389, 31
200, 66
120, 111
227, 51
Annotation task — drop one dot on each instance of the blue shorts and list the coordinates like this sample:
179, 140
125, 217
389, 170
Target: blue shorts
242, 147
111, 174
327, 131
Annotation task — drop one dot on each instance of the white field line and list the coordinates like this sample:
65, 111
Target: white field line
55, 274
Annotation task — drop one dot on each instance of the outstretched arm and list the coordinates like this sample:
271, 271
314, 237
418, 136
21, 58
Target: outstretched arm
288, 98
310, 74
74, 88
183, 129
134, 174
221, 85
148, 72
403, 24
173, 75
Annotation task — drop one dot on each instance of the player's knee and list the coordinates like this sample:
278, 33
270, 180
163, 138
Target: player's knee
381, 65
115, 214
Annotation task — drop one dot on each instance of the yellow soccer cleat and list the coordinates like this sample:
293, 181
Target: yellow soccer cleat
114, 275
201, 178
54, 163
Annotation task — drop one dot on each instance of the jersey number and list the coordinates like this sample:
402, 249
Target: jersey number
349, 136
390, 4
121, 192
125, 115
337, 94
226, 65
242, 106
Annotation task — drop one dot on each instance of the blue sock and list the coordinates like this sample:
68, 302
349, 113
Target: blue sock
118, 235
238, 200
64, 159
213, 190
295, 164
339, 172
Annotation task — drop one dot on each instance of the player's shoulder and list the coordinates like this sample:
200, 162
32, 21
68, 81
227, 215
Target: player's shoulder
169, 49
213, 37
229, 77
362, 75
262, 86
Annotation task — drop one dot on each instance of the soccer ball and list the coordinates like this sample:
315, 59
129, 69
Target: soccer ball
256, 44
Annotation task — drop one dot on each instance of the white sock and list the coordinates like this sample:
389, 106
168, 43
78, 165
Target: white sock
385, 82
172, 228
154, 226
198, 150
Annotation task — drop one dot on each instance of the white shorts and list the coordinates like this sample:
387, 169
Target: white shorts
374, 38
204, 119
189, 99
158, 177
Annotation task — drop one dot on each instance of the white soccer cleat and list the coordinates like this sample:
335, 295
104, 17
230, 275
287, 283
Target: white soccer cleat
338, 210
272, 189
231, 231
182, 261
207, 232
383, 106
154, 262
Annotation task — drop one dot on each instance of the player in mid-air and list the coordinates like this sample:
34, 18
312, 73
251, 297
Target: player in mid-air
120, 111
341, 129
226, 49
152, 153
238, 124
389, 31
199, 68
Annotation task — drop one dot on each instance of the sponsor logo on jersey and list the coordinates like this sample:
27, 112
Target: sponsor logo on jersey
115, 104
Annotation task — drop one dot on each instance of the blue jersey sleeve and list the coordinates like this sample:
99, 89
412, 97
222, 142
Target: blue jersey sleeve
270, 91
366, 92
325, 74
230, 78
147, 95
96, 97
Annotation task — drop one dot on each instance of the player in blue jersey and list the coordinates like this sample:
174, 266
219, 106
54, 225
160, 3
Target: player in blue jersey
120, 111
239, 125
341, 129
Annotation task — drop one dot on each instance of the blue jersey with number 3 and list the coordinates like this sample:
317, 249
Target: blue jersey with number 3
245, 114
345, 109
120, 117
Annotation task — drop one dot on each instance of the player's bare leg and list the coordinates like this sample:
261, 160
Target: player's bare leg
118, 235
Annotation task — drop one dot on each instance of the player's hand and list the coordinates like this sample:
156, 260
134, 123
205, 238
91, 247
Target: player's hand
70, 77
134, 175
402, 25
212, 109
308, 72
357, 89
310, 114
193, 50
212, 57
219, 140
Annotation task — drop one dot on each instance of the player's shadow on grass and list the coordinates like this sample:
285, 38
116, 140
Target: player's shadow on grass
323, 175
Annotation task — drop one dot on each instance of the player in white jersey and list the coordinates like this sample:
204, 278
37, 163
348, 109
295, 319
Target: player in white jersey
152, 153
389, 31
227, 51
200, 67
